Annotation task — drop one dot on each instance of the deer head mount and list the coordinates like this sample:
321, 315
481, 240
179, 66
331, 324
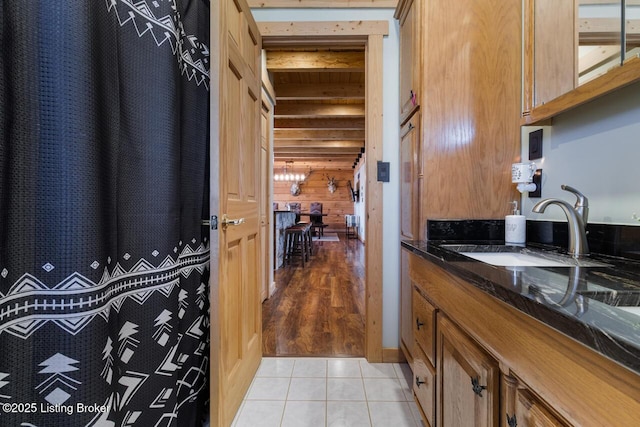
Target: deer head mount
331, 184
295, 189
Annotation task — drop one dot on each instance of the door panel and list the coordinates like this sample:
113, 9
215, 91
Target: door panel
235, 144
469, 388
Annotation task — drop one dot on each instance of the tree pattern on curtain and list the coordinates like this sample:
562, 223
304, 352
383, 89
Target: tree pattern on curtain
104, 174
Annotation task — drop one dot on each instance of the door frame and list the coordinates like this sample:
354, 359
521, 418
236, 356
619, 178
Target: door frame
369, 35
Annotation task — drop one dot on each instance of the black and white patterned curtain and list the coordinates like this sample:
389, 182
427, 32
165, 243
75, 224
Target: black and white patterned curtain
103, 185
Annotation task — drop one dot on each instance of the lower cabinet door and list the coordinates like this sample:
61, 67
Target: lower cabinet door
424, 325
469, 380
424, 385
530, 412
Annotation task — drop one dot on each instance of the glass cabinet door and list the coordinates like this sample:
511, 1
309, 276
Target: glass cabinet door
599, 37
632, 28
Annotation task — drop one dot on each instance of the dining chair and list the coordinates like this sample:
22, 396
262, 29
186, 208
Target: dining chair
315, 215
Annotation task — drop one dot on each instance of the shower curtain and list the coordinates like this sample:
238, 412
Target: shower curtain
103, 186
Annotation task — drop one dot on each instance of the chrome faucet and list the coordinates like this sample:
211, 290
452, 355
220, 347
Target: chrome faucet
576, 216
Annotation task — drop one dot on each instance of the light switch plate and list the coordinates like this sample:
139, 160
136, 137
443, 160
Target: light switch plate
383, 171
535, 144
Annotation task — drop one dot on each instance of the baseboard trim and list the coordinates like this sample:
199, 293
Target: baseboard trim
393, 355
272, 289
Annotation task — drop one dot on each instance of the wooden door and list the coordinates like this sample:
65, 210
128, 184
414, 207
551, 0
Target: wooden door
468, 394
236, 263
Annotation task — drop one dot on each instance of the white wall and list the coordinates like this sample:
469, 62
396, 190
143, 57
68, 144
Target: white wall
390, 153
596, 149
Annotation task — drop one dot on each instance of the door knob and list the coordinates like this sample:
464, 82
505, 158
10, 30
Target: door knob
227, 221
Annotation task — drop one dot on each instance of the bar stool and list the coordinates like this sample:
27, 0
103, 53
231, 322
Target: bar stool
297, 242
308, 237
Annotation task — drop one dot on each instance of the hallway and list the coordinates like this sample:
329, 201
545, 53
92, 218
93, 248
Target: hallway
318, 310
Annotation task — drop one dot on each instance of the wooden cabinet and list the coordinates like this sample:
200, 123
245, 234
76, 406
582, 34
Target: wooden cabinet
424, 325
466, 80
424, 386
495, 365
410, 57
406, 313
424, 350
521, 408
556, 78
468, 379
550, 60
410, 177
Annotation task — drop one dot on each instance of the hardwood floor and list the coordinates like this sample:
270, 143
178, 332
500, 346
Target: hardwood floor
318, 310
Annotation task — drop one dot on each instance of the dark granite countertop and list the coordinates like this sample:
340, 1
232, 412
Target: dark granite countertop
597, 306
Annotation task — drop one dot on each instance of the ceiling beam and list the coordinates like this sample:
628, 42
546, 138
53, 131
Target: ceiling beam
318, 143
606, 2
324, 156
278, 61
318, 134
316, 29
320, 123
596, 31
596, 57
317, 150
291, 4
302, 110
314, 165
309, 91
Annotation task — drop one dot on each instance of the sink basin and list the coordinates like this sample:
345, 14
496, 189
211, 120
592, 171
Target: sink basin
513, 256
632, 310
513, 259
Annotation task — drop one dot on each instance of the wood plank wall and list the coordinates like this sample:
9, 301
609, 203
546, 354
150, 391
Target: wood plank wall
314, 189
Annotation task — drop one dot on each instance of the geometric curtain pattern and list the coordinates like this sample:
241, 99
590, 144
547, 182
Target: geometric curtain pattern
104, 265
192, 54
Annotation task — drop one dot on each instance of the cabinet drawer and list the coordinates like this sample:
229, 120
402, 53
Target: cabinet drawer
424, 385
424, 323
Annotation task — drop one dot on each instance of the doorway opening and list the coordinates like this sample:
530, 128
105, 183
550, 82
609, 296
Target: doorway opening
365, 36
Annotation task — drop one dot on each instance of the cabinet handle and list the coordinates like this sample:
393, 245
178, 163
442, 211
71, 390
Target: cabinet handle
418, 382
419, 324
411, 126
512, 421
477, 388
413, 97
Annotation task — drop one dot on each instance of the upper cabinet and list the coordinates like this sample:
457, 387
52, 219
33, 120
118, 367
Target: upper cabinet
408, 15
460, 86
574, 53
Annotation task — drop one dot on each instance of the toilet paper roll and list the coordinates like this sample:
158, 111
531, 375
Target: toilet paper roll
515, 229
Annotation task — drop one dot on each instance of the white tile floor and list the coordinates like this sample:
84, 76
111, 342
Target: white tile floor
335, 392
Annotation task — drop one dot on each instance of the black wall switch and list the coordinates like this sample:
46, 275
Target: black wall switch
383, 171
535, 144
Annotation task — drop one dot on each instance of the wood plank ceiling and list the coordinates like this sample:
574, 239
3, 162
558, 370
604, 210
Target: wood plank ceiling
319, 112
